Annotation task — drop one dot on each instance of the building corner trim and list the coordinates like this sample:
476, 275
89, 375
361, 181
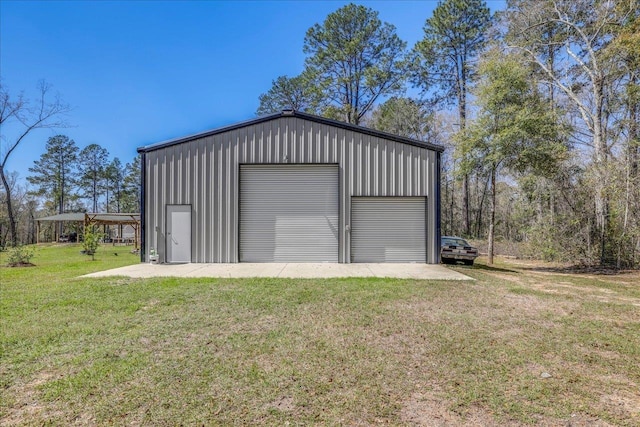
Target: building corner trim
143, 184
438, 206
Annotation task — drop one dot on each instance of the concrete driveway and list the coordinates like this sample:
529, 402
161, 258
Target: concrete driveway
288, 270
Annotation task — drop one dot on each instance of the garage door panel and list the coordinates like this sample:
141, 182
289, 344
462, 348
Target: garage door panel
388, 229
289, 213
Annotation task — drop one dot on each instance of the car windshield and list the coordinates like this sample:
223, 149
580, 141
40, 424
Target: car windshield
454, 241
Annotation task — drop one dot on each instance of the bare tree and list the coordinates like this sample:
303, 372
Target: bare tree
583, 30
46, 111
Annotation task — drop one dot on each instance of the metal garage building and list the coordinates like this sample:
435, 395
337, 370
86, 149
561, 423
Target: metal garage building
291, 187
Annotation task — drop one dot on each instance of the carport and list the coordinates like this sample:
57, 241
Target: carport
87, 219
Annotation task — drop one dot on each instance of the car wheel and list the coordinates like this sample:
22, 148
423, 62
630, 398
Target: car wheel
468, 262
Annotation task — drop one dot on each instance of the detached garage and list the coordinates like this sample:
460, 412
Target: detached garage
291, 187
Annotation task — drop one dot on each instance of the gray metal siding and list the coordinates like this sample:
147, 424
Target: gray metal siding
388, 229
289, 213
205, 173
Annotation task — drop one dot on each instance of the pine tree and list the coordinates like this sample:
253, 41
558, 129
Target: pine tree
54, 174
355, 59
92, 160
298, 93
114, 176
131, 186
444, 64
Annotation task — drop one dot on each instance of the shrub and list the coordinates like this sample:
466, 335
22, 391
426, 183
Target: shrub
91, 241
20, 255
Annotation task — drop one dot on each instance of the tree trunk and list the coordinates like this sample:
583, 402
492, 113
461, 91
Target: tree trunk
600, 160
480, 209
631, 190
452, 202
492, 220
12, 219
32, 226
95, 192
462, 116
465, 204
59, 224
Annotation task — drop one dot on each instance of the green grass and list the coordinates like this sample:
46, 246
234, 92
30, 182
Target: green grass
332, 352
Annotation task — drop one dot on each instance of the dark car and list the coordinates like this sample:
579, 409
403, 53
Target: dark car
455, 249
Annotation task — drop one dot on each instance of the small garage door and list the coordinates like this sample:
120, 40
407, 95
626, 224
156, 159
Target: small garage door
289, 213
388, 229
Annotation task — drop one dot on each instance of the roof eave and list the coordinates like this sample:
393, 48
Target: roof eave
298, 114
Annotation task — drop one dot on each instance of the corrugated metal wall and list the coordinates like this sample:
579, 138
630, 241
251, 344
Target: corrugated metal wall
205, 173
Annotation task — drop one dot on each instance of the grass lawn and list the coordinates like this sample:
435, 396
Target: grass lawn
521, 345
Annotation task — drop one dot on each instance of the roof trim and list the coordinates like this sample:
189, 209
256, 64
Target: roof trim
300, 115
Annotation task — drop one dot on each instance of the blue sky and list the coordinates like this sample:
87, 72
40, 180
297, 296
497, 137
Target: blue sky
142, 72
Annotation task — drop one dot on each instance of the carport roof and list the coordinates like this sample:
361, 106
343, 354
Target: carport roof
96, 218
63, 217
298, 114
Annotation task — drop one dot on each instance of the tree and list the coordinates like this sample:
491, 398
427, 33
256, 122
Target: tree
131, 186
583, 29
624, 52
515, 129
355, 59
17, 194
114, 175
405, 117
444, 62
44, 112
296, 93
91, 240
54, 174
92, 161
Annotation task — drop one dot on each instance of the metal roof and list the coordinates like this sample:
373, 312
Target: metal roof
298, 114
63, 217
102, 218
113, 218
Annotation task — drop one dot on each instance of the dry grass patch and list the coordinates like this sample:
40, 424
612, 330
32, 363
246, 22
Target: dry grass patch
432, 409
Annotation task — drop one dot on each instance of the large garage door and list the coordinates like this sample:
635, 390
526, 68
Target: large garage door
288, 213
388, 229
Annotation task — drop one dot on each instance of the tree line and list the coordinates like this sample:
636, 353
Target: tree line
68, 179
538, 106
64, 178
74, 180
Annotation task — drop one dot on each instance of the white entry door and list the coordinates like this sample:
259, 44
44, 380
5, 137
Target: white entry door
178, 233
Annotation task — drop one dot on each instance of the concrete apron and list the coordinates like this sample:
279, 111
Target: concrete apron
287, 270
